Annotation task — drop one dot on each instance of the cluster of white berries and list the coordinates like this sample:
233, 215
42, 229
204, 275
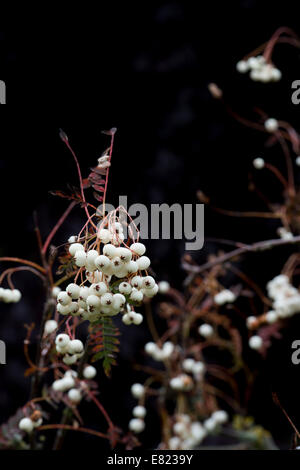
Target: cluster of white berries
260, 70
197, 368
286, 303
71, 350
189, 434
137, 423
10, 295
225, 296
68, 384
106, 296
286, 298
160, 354
28, 425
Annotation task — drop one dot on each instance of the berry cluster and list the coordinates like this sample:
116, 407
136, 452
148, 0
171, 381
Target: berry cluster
10, 295
137, 423
157, 353
286, 303
115, 278
260, 70
189, 434
71, 349
197, 368
72, 385
225, 296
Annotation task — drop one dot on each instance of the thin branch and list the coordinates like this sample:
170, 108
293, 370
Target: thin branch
57, 226
255, 247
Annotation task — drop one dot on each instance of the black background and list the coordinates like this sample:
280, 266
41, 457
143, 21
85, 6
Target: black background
144, 68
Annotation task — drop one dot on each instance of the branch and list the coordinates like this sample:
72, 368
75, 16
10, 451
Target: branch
258, 246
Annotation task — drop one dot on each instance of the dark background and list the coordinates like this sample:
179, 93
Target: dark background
144, 68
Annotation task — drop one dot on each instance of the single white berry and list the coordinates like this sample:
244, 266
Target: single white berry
106, 299
110, 251
198, 369
242, 66
174, 443
84, 293
118, 301
89, 372
72, 239
150, 348
98, 289
271, 317
220, 416
124, 254
276, 74
163, 287
131, 267
298, 160
251, 321
125, 288
148, 282
137, 318
150, 292
136, 295
73, 291
67, 382
138, 390
258, 163
16, 295
127, 319
103, 263
70, 359
210, 424
143, 263
206, 330
188, 364
74, 395
64, 299
50, 327
62, 340
80, 258
55, 291
255, 342
138, 248
57, 386
26, 425
136, 425
139, 412
64, 309
271, 125
104, 235
93, 301
137, 282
